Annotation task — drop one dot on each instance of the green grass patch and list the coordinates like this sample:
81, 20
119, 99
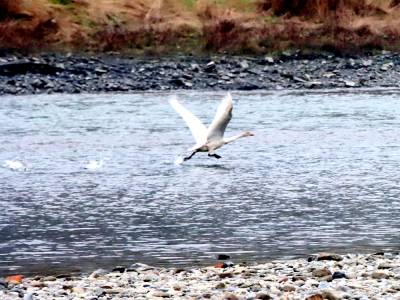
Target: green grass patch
242, 5
248, 2
221, 2
82, 19
249, 5
189, 4
271, 19
61, 2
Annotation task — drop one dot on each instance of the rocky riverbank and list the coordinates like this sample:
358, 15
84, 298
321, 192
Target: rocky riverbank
323, 276
55, 73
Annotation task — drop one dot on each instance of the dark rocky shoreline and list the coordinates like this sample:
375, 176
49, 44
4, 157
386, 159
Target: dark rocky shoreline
70, 73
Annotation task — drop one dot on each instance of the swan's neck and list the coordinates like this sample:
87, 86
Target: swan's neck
234, 138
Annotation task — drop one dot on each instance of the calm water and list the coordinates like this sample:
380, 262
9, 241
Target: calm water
322, 173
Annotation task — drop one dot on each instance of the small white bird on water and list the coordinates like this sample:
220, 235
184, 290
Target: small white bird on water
94, 165
15, 165
211, 139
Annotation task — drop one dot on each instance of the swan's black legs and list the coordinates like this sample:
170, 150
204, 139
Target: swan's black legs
214, 155
194, 152
190, 156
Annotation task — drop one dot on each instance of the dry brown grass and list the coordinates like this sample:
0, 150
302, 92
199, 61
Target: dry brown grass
226, 29
8, 8
26, 25
181, 25
336, 25
144, 39
320, 9
394, 3
30, 35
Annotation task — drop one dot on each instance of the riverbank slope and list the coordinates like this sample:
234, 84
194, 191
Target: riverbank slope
193, 27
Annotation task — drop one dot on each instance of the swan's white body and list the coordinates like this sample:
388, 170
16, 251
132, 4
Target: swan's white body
211, 138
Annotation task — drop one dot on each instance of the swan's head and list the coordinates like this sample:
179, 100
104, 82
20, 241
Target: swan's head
248, 133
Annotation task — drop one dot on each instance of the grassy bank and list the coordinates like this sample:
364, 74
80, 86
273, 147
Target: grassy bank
198, 26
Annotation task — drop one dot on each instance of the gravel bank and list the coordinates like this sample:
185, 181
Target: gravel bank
55, 73
323, 276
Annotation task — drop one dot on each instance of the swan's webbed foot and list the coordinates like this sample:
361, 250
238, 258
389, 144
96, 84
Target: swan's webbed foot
214, 155
190, 156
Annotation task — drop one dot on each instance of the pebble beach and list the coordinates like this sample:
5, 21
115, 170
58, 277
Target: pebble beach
321, 276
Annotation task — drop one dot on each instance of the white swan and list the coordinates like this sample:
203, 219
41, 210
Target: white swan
209, 140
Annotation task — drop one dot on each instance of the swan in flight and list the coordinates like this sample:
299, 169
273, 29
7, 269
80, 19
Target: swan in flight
211, 138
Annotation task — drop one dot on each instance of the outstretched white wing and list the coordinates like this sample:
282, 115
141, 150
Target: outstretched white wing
199, 131
222, 117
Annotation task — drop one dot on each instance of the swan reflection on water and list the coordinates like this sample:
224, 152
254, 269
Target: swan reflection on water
209, 166
214, 166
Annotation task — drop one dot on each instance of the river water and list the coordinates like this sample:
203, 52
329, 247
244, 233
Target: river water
321, 173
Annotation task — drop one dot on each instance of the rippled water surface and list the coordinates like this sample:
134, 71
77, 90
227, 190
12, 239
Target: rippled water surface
322, 173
